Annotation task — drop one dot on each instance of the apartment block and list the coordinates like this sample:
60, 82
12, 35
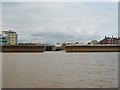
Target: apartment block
4, 39
12, 36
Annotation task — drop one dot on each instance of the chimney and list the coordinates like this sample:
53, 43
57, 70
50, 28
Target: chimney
105, 37
112, 36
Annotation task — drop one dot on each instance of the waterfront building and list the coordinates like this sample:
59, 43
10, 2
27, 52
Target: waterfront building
12, 36
118, 40
109, 40
93, 42
4, 39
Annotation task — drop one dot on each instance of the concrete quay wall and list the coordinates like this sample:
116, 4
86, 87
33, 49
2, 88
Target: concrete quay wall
20, 48
92, 49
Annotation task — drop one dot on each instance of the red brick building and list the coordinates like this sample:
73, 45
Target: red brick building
110, 40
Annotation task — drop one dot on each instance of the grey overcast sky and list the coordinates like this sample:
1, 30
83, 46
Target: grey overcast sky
54, 22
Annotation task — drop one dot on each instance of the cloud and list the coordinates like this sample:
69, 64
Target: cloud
59, 22
60, 0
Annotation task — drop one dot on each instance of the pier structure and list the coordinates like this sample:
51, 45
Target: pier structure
97, 48
49, 48
54, 48
68, 48
22, 48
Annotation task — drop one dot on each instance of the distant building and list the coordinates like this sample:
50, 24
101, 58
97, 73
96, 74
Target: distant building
93, 42
4, 39
110, 40
12, 36
74, 43
118, 40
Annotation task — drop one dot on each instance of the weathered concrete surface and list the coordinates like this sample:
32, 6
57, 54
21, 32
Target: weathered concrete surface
21, 48
92, 49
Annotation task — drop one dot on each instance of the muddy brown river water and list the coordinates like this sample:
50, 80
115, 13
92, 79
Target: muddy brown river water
60, 70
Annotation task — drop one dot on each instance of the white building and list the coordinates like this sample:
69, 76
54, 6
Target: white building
4, 39
12, 36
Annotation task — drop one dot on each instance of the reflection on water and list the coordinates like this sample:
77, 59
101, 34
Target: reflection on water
60, 69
